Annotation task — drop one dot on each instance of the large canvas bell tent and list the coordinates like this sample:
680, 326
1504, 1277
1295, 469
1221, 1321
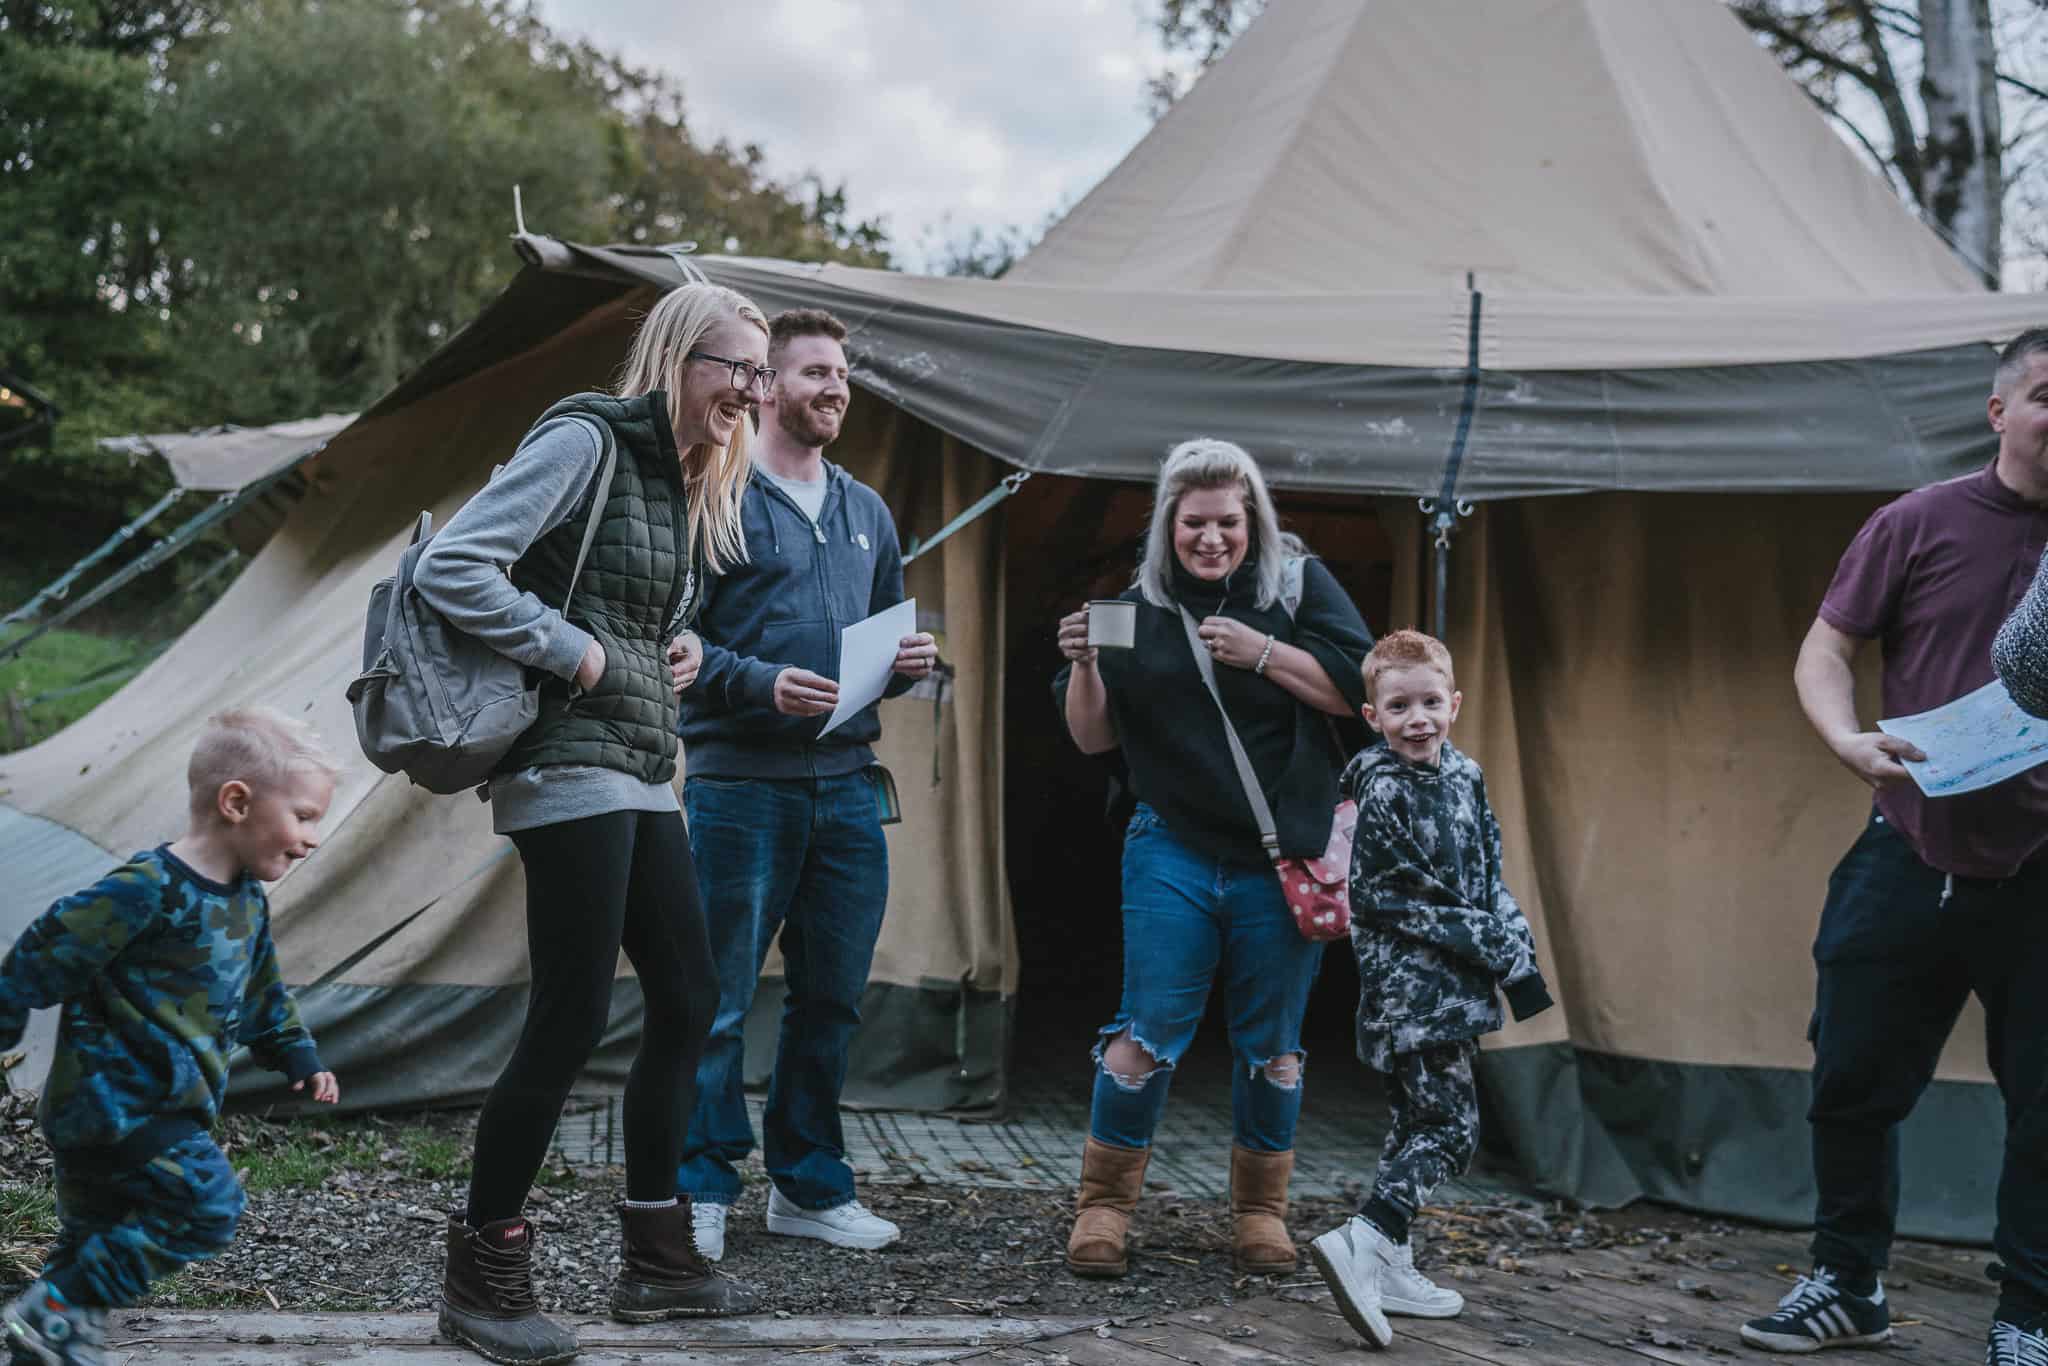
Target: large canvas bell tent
1399, 250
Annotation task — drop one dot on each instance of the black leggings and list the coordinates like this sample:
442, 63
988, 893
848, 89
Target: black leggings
593, 886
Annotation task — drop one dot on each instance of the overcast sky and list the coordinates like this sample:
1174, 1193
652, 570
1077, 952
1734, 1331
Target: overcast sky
938, 116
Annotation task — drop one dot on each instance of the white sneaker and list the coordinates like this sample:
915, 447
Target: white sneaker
1404, 1290
1353, 1259
849, 1225
707, 1221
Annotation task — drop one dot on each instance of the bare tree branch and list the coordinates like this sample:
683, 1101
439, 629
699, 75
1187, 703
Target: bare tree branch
2007, 78
1891, 99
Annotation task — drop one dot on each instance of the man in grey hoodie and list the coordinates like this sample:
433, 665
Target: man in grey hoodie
785, 824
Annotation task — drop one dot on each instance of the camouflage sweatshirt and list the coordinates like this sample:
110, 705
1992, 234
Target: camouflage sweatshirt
161, 972
1433, 924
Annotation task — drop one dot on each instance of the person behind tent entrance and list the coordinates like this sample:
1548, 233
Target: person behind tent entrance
1938, 897
163, 968
1437, 935
786, 823
1200, 899
587, 793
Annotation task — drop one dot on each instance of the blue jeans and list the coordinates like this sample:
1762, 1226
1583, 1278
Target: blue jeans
1189, 918
805, 857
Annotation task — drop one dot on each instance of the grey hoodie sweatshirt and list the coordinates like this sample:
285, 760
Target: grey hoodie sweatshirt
1432, 921
462, 576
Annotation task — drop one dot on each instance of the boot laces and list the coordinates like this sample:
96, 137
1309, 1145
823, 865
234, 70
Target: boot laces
509, 1272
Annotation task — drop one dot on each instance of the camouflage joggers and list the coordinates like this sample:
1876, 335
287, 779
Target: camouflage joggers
119, 1234
1435, 1132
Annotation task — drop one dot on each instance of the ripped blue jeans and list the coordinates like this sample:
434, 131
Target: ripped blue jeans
1190, 920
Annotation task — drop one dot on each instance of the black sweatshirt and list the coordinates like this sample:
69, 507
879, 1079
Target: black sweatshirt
1172, 739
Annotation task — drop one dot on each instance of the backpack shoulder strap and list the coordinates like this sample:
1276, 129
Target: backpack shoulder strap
1292, 572
601, 492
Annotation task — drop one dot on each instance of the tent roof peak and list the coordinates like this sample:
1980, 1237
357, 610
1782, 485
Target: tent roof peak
1564, 146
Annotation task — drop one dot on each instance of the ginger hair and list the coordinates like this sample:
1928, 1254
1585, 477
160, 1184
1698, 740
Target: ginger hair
1406, 648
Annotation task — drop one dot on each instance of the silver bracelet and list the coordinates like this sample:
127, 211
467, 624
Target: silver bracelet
1264, 655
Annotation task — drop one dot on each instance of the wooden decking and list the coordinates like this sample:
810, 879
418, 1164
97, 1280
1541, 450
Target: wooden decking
1661, 1301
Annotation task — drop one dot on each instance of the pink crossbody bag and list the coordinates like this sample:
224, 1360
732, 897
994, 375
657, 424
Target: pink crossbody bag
1317, 889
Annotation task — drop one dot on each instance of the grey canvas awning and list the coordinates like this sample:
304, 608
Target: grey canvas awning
1361, 393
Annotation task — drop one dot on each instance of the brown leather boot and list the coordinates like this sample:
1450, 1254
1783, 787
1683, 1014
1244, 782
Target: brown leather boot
663, 1276
487, 1302
1111, 1180
1258, 1211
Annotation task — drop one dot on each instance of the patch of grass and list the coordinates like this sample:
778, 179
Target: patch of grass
55, 660
28, 1221
432, 1155
305, 1159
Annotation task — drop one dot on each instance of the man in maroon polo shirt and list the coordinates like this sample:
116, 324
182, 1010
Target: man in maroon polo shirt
1939, 897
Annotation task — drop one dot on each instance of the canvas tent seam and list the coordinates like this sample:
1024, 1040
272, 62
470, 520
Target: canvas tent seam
1056, 426
1233, 243
1702, 279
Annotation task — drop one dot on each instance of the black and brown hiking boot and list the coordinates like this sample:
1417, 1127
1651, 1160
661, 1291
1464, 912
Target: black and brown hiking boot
487, 1302
664, 1276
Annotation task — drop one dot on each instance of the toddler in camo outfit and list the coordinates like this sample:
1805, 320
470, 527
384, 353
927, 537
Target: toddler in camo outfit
162, 968
1436, 933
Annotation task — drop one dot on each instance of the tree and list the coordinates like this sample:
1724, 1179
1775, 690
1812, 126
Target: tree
1940, 97
248, 210
1918, 90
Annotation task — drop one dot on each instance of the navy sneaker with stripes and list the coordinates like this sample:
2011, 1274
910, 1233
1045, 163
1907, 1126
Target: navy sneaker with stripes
1818, 1313
2012, 1345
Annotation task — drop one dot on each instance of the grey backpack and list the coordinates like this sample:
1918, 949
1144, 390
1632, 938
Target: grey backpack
433, 702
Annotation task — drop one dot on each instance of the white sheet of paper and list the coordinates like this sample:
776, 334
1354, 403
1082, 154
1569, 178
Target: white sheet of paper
867, 654
1979, 739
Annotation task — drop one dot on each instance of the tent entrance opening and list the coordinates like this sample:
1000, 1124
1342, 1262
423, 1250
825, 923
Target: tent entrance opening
1070, 540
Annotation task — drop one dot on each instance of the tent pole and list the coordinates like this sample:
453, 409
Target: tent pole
218, 511
61, 585
1444, 510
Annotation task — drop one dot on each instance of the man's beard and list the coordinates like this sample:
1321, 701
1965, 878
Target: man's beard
803, 426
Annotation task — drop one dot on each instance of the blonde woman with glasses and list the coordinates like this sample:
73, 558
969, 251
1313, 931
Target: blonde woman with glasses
587, 797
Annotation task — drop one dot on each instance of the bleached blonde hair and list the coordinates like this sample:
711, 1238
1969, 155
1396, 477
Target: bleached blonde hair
259, 746
714, 477
1207, 463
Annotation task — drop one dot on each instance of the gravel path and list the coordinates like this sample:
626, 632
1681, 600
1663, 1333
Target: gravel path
365, 1232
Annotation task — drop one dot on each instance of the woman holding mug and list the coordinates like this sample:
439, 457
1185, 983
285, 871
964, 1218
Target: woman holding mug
1200, 899
586, 793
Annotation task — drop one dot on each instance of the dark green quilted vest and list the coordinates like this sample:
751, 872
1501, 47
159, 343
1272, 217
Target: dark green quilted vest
632, 583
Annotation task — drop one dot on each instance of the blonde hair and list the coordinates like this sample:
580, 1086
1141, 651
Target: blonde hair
259, 746
1406, 648
714, 477
1207, 463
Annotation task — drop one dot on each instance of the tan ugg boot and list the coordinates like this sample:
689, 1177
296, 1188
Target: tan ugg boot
1258, 1211
1111, 1180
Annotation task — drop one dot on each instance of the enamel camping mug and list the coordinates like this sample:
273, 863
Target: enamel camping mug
1113, 622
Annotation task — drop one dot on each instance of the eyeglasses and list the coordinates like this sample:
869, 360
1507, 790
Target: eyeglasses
745, 374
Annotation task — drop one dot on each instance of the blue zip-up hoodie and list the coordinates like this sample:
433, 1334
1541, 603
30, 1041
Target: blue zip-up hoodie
801, 585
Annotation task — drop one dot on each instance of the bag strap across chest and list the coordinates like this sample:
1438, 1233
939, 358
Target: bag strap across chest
1262, 812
